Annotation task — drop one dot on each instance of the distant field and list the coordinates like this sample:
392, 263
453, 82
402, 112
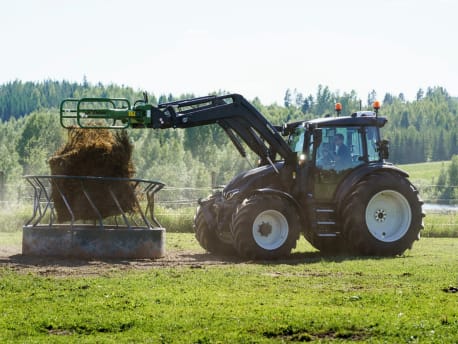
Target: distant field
425, 173
425, 177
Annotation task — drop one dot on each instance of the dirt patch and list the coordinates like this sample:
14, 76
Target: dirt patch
97, 153
7, 251
11, 258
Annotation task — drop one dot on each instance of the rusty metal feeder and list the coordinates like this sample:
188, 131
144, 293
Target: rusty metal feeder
134, 233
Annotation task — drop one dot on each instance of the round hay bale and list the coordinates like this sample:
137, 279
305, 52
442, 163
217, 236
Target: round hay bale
99, 153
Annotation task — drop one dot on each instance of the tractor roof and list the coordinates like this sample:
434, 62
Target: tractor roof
347, 121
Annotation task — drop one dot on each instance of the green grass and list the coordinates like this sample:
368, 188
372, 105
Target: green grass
443, 225
13, 217
178, 220
390, 300
10, 238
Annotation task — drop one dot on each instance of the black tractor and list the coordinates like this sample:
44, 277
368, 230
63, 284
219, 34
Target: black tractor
326, 178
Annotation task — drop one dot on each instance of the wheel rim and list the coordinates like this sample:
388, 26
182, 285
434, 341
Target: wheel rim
270, 229
388, 216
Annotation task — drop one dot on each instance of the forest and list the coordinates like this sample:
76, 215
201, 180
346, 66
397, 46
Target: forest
419, 130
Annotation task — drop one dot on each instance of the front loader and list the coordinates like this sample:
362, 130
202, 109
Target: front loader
328, 180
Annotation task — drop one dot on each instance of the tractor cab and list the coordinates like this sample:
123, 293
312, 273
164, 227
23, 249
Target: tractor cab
333, 147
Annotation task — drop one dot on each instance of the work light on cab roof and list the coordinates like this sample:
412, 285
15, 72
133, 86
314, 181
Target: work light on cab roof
376, 106
338, 108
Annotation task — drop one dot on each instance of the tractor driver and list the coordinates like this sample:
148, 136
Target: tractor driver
342, 156
326, 160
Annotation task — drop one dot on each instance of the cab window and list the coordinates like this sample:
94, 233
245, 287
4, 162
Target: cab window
340, 149
372, 137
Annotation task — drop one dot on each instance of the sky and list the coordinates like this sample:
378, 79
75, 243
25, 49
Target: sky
258, 48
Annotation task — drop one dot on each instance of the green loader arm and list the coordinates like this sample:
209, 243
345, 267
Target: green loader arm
238, 118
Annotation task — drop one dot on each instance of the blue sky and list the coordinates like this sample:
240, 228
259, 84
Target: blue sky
253, 47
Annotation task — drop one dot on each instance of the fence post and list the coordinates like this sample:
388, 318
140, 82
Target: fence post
213, 181
2, 186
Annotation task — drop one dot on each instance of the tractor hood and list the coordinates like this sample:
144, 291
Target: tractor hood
260, 177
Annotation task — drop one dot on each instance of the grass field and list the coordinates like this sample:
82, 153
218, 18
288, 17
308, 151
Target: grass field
408, 299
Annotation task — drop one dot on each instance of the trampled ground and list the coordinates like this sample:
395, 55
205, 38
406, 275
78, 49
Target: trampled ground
11, 257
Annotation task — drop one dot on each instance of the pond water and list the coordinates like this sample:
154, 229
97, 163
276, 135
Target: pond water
440, 208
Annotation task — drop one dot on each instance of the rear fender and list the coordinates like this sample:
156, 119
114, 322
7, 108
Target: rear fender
354, 177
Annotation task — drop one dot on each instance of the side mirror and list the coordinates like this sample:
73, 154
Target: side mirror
383, 149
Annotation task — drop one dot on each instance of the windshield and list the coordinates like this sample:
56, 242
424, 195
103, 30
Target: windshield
296, 140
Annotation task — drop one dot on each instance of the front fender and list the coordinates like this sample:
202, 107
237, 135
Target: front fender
207, 208
281, 194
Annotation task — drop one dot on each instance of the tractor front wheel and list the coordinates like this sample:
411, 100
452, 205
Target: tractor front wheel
265, 227
205, 229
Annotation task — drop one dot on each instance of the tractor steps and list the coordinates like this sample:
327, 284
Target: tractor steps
326, 221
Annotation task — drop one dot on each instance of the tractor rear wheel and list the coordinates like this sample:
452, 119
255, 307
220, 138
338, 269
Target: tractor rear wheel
205, 232
265, 227
383, 215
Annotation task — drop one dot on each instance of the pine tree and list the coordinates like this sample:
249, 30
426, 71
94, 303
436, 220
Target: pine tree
287, 99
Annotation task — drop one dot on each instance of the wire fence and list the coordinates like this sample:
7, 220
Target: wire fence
168, 197
175, 208
187, 197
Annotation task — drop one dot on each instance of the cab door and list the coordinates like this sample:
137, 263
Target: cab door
341, 150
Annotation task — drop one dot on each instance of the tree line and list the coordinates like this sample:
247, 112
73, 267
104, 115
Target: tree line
424, 129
